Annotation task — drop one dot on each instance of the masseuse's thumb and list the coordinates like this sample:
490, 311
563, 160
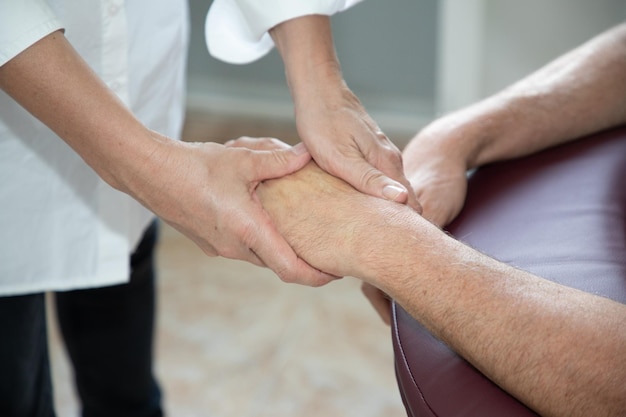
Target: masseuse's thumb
280, 162
369, 180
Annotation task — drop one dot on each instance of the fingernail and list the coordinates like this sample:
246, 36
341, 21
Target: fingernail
391, 192
299, 149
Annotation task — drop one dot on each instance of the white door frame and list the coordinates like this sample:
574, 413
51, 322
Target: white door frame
460, 54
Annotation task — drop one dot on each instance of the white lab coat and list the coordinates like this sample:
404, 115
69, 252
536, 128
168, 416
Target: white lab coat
236, 30
61, 226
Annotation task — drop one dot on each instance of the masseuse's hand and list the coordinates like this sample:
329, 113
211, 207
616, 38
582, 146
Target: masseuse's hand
377, 298
344, 141
341, 137
205, 190
212, 200
437, 170
439, 183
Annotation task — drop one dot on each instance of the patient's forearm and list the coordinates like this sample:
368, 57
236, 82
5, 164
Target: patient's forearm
561, 351
577, 94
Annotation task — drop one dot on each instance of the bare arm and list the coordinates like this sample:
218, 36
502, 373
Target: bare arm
204, 190
501, 319
579, 93
342, 138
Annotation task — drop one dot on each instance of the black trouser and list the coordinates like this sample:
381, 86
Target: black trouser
108, 333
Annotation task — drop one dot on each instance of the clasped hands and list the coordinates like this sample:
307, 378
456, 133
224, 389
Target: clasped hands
325, 220
345, 232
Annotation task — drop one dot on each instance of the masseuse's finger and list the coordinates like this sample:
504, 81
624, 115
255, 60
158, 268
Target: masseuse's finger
259, 144
346, 142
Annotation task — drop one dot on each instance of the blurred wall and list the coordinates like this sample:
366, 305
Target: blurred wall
409, 60
522, 36
486, 45
387, 50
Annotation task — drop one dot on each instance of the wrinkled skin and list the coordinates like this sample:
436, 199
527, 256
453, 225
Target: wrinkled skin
342, 217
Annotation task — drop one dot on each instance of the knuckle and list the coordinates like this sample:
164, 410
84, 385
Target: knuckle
380, 135
285, 276
394, 155
370, 176
246, 234
317, 283
229, 252
210, 251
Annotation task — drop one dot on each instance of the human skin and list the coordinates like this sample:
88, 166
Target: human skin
331, 121
577, 94
501, 319
204, 190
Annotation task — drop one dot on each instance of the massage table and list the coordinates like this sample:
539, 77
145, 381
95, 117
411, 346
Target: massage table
560, 214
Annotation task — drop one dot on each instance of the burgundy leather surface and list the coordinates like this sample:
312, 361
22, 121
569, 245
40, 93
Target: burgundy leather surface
560, 214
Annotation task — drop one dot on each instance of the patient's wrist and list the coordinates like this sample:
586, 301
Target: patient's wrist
343, 232
390, 241
319, 216
484, 132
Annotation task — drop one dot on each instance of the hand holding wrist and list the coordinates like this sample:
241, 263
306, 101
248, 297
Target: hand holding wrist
331, 121
334, 227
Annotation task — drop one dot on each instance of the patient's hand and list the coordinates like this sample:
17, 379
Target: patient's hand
309, 210
330, 225
437, 171
334, 227
319, 215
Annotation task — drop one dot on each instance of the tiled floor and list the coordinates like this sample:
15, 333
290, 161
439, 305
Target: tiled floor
233, 340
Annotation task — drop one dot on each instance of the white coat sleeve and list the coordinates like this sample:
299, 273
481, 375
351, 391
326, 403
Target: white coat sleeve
22, 23
237, 30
